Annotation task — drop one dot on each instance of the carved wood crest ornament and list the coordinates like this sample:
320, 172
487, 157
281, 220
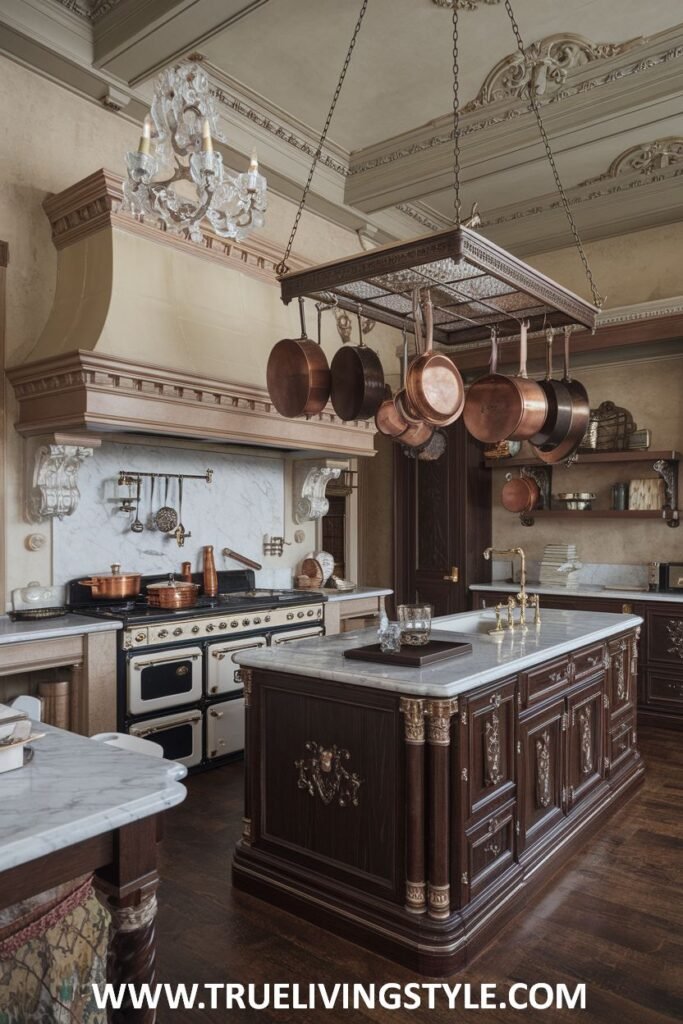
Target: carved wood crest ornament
543, 792
323, 774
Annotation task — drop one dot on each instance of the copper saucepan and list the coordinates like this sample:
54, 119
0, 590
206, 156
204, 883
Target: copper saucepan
116, 584
357, 380
502, 408
520, 494
298, 374
434, 387
172, 594
389, 418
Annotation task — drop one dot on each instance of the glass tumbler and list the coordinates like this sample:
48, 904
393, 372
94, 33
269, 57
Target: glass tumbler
390, 638
416, 623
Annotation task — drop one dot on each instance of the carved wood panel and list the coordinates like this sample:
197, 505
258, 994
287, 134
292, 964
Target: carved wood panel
586, 740
541, 772
487, 760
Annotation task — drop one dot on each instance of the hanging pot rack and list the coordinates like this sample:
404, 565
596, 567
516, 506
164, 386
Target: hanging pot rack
475, 284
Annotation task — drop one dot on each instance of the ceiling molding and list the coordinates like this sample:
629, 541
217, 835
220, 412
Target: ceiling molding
544, 67
89, 10
648, 158
464, 5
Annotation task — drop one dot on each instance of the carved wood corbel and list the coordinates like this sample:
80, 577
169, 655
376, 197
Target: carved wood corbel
310, 482
55, 465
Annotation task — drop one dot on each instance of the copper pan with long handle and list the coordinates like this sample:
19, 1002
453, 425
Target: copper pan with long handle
579, 418
502, 408
389, 418
434, 387
298, 374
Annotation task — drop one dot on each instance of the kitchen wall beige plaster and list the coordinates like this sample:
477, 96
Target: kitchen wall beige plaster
653, 392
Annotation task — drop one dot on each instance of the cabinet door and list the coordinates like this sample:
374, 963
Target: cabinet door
621, 683
586, 740
540, 772
665, 637
487, 773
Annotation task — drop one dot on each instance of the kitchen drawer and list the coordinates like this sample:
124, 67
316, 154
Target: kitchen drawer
222, 671
622, 741
590, 661
487, 754
489, 849
545, 681
665, 637
664, 688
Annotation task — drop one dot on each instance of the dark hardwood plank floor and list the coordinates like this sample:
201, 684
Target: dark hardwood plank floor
612, 918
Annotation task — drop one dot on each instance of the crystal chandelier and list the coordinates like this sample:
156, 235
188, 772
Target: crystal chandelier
177, 142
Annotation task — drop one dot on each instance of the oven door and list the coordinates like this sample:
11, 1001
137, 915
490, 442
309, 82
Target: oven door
296, 634
180, 736
225, 728
164, 679
222, 671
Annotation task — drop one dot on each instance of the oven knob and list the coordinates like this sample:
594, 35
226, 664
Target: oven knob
299, 615
267, 618
195, 629
245, 622
234, 624
177, 631
210, 627
162, 634
290, 615
310, 614
140, 638
257, 621
222, 625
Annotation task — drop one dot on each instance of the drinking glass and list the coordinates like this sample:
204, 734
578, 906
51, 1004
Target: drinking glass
390, 638
416, 623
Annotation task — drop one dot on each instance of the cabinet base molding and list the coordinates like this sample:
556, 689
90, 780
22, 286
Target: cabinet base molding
428, 945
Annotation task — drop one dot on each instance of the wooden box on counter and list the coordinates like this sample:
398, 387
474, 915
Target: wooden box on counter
660, 670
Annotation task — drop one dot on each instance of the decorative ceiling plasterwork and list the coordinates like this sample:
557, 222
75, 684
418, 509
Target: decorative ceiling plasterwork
544, 68
90, 10
636, 167
465, 5
417, 215
512, 108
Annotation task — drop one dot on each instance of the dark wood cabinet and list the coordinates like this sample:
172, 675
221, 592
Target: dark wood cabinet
541, 771
586, 766
651, 672
487, 772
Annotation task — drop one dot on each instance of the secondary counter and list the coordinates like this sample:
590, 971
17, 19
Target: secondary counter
559, 633
583, 590
413, 811
52, 629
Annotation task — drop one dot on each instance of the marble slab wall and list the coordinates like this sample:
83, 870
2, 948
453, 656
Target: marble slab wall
599, 574
244, 501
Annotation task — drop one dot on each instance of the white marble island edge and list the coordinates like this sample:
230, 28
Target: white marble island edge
561, 632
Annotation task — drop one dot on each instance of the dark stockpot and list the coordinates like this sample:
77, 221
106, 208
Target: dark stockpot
559, 418
298, 375
580, 415
502, 408
357, 381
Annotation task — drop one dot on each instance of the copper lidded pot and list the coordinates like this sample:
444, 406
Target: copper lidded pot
172, 594
116, 584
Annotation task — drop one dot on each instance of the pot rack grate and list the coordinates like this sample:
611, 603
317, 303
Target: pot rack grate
474, 285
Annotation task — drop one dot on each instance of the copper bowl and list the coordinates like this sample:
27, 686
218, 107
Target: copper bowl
172, 594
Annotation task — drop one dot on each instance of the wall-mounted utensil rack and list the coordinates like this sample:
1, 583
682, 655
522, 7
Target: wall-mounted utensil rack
129, 476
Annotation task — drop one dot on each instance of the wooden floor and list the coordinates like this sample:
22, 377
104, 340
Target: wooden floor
613, 918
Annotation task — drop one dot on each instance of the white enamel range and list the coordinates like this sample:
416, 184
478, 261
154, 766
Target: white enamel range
177, 681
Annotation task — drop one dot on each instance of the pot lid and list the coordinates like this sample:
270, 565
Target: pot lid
115, 573
175, 584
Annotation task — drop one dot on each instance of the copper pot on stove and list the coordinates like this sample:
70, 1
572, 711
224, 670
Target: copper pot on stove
118, 585
172, 594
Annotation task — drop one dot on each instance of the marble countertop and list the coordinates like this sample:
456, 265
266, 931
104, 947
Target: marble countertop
559, 633
583, 590
76, 788
333, 595
51, 629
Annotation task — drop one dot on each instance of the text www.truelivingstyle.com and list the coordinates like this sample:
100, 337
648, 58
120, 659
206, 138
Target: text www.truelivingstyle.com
341, 996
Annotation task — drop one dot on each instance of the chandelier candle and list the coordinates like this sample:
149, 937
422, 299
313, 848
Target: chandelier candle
146, 137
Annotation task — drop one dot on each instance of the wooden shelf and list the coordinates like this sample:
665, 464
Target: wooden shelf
599, 513
587, 458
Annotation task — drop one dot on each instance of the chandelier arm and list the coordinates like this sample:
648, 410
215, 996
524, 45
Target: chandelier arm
597, 297
282, 267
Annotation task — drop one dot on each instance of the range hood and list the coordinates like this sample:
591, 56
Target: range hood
150, 333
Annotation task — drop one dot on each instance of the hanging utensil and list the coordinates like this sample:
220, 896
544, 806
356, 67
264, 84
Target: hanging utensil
167, 517
357, 379
434, 386
181, 534
150, 522
136, 526
298, 374
500, 408
579, 417
558, 420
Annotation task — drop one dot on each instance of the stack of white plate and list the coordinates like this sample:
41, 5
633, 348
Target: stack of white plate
560, 566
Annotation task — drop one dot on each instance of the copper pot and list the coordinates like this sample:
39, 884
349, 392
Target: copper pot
116, 584
502, 408
298, 375
172, 594
357, 381
434, 386
520, 494
580, 415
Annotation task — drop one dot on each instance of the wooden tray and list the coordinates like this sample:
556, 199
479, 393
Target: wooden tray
428, 654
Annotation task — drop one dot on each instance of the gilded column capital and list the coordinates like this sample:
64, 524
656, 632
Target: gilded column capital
439, 714
413, 710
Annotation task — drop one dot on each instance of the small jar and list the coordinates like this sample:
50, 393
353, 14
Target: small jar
620, 497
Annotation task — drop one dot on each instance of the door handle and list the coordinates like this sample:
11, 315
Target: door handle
454, 575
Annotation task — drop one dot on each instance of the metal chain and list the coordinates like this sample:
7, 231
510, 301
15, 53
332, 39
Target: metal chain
457, 205
282, 267
597, 297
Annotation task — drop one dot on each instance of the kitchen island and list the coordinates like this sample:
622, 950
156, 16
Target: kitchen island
413, 811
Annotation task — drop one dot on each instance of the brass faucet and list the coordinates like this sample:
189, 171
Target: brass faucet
522, 596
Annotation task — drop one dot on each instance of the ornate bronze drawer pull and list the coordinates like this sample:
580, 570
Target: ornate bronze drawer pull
323, 773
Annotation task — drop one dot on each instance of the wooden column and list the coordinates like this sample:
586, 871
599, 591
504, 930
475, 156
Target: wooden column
127, 888
247, 679
413, 711
439, 713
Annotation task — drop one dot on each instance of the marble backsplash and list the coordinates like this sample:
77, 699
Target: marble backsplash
599, 574
244, 501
